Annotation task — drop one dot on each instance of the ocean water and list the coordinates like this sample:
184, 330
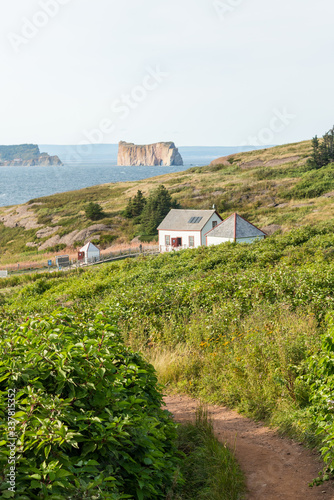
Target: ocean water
87, 166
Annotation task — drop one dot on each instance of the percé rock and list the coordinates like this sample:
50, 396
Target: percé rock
161, 153
26, 155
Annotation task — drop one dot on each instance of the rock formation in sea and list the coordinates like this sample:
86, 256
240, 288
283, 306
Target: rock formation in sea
26, 155
161, 153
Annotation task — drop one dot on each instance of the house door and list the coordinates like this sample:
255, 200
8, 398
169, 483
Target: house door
176, 242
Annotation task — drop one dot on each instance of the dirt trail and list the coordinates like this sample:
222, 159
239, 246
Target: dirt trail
275, 468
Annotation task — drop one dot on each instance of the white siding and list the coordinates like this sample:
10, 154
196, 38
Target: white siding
208, 226
215, 240
211, 240
178, 234
92, 255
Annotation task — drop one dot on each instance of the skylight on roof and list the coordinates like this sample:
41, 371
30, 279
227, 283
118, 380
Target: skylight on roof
195, 220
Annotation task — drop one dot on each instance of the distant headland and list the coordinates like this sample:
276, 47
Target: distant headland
26, 155
160, 153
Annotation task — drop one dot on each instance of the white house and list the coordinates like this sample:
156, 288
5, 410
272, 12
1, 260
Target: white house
186, 228
91, 253
234, 228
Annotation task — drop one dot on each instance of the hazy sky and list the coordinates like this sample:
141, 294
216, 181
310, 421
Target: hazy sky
198, 72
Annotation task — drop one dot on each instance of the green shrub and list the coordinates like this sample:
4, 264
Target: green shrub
107, 239
89, 417
44, 219
321, 380
79, 244
57, 248
94, 211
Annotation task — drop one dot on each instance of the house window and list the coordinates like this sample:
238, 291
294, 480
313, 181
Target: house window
191, 241
214, 223
167, 241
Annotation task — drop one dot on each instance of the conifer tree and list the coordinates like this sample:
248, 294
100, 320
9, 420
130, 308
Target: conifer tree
158, 205
135, 206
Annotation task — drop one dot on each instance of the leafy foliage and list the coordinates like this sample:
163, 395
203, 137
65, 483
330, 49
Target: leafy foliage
321, 378
89, 417
94, 211
233, 324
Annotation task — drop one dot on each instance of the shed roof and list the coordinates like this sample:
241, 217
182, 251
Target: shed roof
89, 246
179, 220
235, 227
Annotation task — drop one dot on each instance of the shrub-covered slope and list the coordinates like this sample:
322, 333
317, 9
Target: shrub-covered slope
234, 324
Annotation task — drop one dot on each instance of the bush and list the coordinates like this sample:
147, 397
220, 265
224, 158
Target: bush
89, 417
321, 380
57, 248
94, 211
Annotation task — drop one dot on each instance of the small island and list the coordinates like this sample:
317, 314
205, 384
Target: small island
26, 155
160, 153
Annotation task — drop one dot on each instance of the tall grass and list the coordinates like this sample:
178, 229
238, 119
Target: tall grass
254, 367
209, 468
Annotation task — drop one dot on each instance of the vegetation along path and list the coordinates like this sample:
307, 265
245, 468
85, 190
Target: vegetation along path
275, 468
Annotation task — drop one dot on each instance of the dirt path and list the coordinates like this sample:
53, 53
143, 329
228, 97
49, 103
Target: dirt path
275, 468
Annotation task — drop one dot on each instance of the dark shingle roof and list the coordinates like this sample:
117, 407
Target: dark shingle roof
236, 227
179, 220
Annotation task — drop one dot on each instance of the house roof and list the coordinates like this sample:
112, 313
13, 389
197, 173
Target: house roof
89, 246
179, 220
235, 227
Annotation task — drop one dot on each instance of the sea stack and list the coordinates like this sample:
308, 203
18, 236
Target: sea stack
160, 153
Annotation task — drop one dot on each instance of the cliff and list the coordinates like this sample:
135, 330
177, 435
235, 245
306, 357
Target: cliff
161, 153
26, 155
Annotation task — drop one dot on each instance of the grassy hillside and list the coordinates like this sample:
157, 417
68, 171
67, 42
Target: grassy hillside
271, 187
246, 326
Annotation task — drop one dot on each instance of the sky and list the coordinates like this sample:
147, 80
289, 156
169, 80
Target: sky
196, 72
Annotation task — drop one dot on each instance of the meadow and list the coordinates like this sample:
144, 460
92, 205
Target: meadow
245, 326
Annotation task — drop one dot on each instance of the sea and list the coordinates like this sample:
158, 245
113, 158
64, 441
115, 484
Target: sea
90, 165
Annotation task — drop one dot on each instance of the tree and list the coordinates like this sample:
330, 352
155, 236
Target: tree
316, 152
135, 206
94, 211
157, 207
323, 152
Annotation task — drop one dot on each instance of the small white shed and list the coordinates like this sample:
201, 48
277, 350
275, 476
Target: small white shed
235, 229
91, 253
